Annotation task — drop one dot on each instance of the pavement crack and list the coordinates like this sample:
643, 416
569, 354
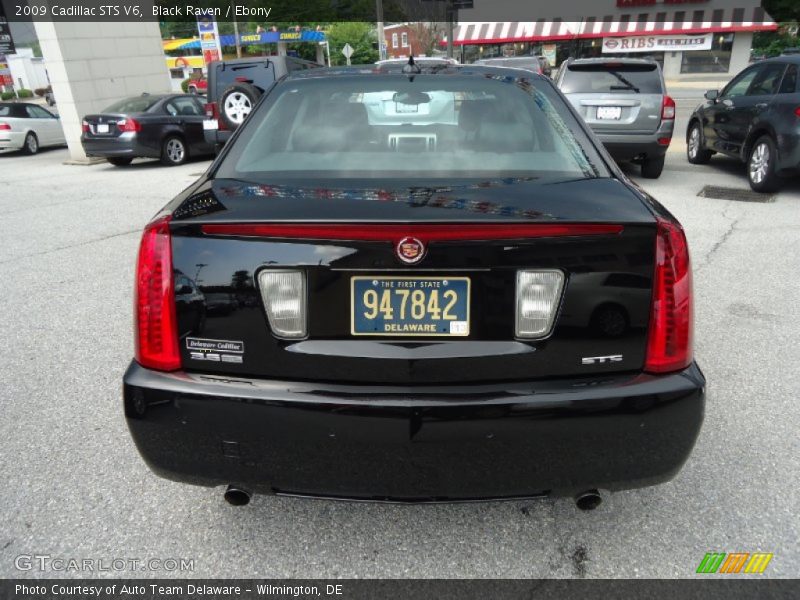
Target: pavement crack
721, 241
69, 246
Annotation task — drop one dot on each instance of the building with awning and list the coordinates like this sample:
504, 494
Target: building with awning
689, 39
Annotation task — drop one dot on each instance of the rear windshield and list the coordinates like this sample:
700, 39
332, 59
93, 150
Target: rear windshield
428, 126
611, 78
136, 104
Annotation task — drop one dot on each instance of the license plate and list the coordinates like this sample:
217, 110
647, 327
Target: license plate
210, 124
405, 108
102, 128
609, 112
410, 306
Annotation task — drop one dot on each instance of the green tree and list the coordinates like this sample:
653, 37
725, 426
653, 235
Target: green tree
361, 36
783, 10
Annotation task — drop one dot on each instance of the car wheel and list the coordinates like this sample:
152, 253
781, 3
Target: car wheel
652, 167
173, 151
236, 102
119, 162
192, 89
761, 166
695, 151
31, 145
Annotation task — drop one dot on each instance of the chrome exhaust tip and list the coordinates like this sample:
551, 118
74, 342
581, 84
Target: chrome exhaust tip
588, 500
237, 496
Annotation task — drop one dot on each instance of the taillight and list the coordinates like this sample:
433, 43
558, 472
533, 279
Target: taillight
5, 127
156, 328
211, 110
668, 109
129, 125
797, 111
669, 341
85, 126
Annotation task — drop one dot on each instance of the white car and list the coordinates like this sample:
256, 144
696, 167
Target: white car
28, 127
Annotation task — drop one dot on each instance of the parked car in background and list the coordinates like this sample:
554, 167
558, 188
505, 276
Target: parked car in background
28, 127
164, 126
235, 86
197, 85
463, 304
537, 64
625, 102
755, 118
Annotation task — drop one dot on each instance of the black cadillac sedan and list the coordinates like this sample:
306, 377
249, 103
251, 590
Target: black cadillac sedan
439, 288
168, 127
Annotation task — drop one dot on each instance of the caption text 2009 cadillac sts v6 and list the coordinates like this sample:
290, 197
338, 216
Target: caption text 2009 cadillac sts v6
414, 284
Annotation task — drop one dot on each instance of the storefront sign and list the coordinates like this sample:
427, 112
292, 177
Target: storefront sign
640, 3
657, 43
549, 52
6, 41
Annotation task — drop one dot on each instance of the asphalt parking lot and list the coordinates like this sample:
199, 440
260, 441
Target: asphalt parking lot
75, 487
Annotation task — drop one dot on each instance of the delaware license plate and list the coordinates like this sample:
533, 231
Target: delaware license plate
610, 113
410, 306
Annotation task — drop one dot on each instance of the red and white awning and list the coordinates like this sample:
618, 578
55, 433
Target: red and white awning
641, 23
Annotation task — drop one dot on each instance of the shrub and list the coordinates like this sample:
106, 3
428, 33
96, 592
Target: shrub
7, 96
24, 93
40, 91
185, 85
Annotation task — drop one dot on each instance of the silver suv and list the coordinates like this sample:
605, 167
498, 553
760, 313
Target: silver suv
625, 102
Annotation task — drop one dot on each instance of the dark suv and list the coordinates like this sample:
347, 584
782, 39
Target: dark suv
755, 118
234, 87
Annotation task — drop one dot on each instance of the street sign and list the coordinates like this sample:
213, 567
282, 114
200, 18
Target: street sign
348, 52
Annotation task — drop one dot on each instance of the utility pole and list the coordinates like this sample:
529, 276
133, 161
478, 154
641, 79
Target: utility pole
449, 11
236, 31
381, 40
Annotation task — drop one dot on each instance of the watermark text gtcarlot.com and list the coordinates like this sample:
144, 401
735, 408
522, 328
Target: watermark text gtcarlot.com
63, 564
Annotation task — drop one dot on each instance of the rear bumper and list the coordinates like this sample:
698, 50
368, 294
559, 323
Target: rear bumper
120, 146
12, 140
629, 147
415, 444
217, 136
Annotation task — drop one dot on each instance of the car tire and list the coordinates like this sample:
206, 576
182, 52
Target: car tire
236, 103
652, 167
120, 162
762, 166
31, 144
174, 151
696, 153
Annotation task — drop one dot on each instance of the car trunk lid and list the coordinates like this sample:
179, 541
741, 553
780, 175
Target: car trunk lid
602, 311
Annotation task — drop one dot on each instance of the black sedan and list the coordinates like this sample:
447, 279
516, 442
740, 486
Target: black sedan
441, 288
168, 127
755, 119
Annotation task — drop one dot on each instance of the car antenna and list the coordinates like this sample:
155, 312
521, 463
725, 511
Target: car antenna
411, 68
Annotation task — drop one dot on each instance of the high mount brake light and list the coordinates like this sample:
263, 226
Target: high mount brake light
156, 327
379, 232
669, 341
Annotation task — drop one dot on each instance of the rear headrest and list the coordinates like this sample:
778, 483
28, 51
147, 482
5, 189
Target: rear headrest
471, 113
349, 114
